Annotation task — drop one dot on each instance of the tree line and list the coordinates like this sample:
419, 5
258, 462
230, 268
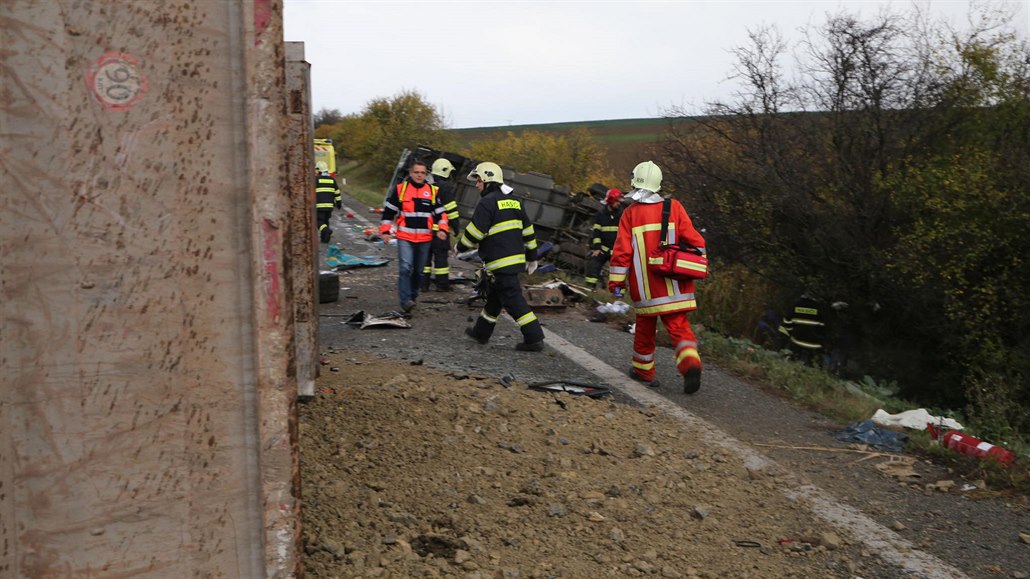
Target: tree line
891, 171
386, 126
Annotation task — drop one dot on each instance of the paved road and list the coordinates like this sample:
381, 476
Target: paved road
929, 534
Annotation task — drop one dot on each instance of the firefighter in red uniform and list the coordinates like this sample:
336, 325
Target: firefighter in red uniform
419, 218
654, 296
606, 227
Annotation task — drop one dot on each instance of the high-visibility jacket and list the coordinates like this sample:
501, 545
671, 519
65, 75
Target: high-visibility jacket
805, 326
446, 195
327, 192
416, 210
639, 232
606, 228
502, 231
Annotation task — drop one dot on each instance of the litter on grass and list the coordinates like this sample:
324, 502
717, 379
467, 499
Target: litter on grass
869, 434
616, 307
914, 419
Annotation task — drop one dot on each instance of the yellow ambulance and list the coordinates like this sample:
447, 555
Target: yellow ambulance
325, 153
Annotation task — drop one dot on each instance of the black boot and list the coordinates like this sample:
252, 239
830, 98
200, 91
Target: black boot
471, 334
530, 346
692, 381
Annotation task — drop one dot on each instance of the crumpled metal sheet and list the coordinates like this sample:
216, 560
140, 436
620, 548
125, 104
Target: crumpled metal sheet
387, 320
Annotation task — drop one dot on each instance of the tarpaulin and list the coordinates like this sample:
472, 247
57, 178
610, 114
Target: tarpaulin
338, 260
868, 433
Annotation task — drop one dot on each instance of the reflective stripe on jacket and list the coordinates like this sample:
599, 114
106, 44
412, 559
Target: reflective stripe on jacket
502, 231
417, 211
805, 326
327, 192
447, 199
606, 227
639, 232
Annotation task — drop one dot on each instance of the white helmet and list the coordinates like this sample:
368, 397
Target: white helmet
488, 172
647, 176
442, 168
321, 167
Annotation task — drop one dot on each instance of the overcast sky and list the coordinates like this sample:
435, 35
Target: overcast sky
488, 63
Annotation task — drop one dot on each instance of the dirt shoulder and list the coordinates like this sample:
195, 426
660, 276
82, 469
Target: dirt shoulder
417, 460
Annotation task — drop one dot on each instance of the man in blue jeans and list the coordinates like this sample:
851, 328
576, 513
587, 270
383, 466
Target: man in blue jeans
414, 215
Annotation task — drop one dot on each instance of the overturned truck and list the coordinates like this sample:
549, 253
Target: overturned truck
559, 216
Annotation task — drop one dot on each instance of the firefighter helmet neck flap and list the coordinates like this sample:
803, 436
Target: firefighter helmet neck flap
646, 182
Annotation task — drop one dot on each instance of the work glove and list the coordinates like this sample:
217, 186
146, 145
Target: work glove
338, 205
531, 266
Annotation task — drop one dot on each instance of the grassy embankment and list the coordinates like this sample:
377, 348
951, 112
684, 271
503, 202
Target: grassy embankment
362, 184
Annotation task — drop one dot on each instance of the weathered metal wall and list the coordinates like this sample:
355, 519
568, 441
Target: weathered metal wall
303, 243
147, 384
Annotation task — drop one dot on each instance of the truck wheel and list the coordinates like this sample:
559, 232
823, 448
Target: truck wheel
328, 287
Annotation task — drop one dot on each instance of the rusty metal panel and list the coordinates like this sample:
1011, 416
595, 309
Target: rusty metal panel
147, 387
304, 240
542, 297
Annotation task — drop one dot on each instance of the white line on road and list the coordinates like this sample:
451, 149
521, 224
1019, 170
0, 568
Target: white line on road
850, 521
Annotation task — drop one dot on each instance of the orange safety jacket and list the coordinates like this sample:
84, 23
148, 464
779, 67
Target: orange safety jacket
639, 232
414, 211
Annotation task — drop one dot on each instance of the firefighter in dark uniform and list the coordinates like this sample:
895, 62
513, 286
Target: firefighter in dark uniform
805, 327
437, 269
606, 228
327, 197
507, 246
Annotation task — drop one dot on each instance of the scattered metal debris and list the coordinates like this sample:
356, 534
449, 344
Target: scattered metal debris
571, 387
387, 320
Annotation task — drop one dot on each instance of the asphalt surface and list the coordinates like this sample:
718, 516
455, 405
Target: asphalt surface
916, 531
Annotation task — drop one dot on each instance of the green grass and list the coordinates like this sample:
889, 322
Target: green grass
831, 396
362, 184
619, 131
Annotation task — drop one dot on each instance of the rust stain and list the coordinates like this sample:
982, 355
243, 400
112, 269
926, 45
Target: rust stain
262, 18
273, 292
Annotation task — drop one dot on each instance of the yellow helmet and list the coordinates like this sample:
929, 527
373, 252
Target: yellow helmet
647, 176
488, 172
442, 168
